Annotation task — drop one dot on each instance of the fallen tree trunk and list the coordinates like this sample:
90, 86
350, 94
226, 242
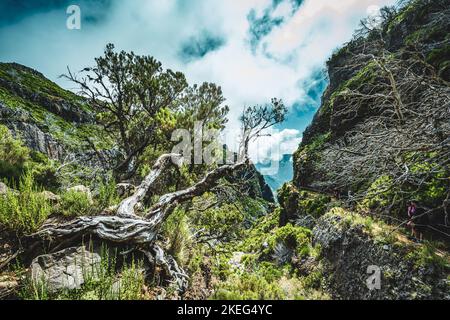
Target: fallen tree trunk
128, 228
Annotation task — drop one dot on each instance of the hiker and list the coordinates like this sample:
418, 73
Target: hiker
417, 220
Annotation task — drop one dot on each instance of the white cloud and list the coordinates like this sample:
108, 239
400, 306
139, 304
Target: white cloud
273, 147
303, 42
308, 38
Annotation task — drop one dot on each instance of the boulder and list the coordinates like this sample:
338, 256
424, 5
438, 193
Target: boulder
3, 188
236, 260
83, 189
350, 254
38, 140
66, 269
307, 221
50, 196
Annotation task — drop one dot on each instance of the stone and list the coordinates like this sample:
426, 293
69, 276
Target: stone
236, 260
347, 252
50, 196
307, 221
34, 138
66, 269
3, 188
83, 189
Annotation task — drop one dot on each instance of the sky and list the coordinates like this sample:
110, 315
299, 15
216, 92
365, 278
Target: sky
254, 49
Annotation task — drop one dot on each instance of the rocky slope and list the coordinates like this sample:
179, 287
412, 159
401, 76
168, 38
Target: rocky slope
382, 125
379, 140
49, 119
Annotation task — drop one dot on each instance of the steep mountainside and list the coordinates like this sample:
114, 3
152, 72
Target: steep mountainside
413, 47
378, 145
49, 119
380, 140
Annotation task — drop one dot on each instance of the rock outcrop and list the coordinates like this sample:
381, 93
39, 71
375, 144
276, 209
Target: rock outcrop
352, 255
66, 269
383, 120
352, 105
47, 118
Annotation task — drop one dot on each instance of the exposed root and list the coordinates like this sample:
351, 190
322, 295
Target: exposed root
140, 232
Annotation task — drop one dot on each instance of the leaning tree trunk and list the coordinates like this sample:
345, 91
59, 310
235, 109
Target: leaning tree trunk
126, 227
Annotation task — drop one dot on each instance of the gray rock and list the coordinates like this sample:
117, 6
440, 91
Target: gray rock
66, 269
34, 138
306, 221
3, 188
83, 189
236, 260
348, 251
50, 196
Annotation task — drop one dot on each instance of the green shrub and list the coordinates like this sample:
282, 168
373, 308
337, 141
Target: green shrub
15, 159
426, 255
176, 230
265, 280
107, 194
257, 235
26, 209
224, 222
13, 155
132, 282
74, 203
248, 286
295, 238
44, 171
379, 194
434, 188
314, 204
439, 57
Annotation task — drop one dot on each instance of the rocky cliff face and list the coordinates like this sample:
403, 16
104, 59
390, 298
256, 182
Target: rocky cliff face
49, 119
354, 250
384, 122
359, 78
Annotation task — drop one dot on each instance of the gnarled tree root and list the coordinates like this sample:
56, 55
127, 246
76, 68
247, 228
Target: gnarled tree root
127, 228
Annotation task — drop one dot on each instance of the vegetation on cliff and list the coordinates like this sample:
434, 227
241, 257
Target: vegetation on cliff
89, 177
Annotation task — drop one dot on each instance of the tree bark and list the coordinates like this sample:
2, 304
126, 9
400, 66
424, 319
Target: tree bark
128, 228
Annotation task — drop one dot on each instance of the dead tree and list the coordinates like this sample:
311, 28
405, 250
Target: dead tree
141, 231
399, 112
